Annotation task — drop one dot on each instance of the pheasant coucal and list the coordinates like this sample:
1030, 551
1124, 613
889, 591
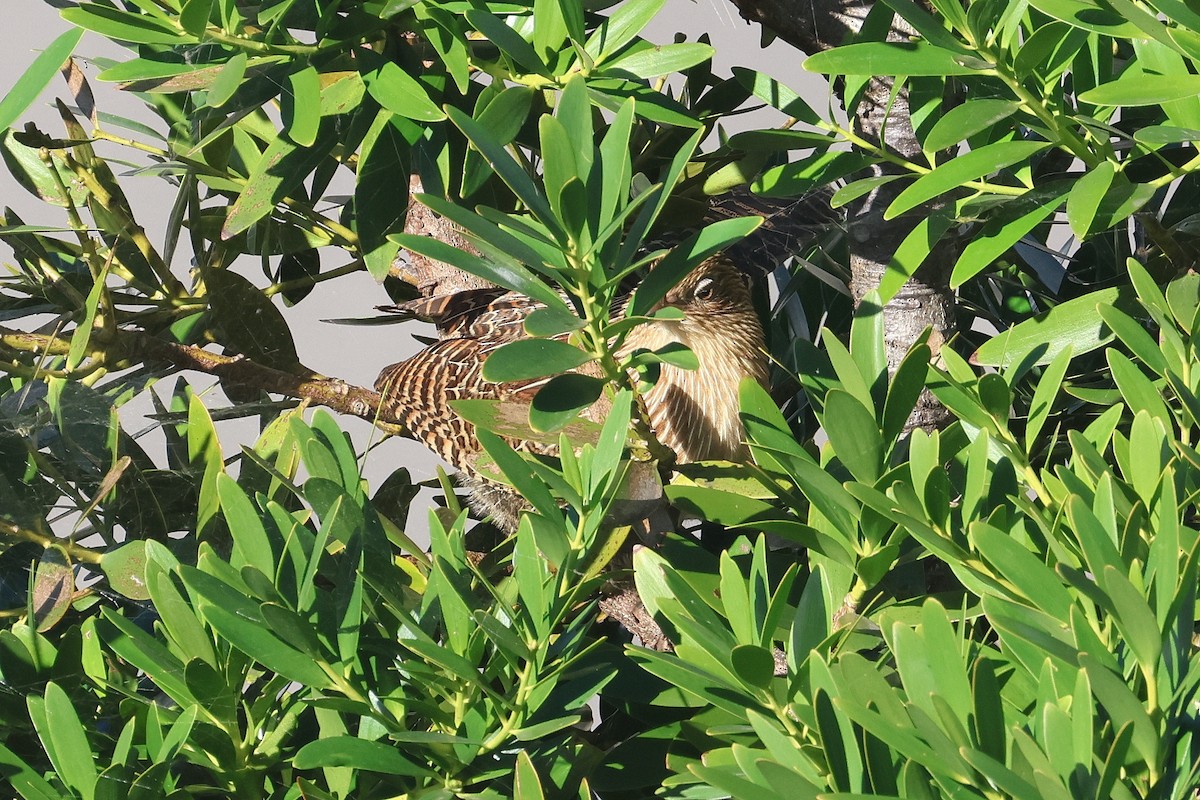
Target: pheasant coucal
693, 412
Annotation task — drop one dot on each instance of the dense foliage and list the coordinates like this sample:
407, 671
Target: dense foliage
1002, 608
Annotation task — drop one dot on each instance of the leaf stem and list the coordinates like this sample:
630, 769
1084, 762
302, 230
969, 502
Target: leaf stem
81, 554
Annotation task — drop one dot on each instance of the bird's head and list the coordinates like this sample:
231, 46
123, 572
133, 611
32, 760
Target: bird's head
714, 289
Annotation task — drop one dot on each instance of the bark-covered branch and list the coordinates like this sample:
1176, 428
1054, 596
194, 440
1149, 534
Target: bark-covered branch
138, 347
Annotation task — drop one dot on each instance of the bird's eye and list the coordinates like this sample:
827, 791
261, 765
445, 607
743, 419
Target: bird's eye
705, 289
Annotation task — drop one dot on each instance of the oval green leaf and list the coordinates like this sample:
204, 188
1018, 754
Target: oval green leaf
754, 665
1007, 227
967, 167
966, 120
402, 94
125, 569
350, 751
43, 69
1075, 323
526, 359
53, 588
891, 58
559, 402
651, 62
1143, 90
854, 434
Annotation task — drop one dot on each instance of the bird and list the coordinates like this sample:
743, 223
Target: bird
692, 412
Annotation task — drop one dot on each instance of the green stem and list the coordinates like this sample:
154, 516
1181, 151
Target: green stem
1039, 108
81, 554
524, 687
255, 46
891, 158
296, 283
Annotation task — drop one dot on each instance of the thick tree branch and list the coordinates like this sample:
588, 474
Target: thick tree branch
137, 347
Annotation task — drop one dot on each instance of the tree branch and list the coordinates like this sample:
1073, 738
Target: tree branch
137, 346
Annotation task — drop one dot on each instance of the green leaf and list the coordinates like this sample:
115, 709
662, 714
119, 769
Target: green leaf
401, 93
125, 568
819, 169
503, 116
659, 193
1183, 298
651, 62
754, 665
381, 195
250, 323
238, 619
620, 28
1083, 202
1048, 388
525, 359
854, 434
1139, 392
53, 588
526, 784
1165, 134
227, 81
350, 751
995, 397
552, 322
195, 14
674, 353
616, 165
1049, 51
510, 275
694, 681
1017, 565
914, 250
1143, 90
856, 189
964, 121
146, 653
1075, 324
122, 26
967, 167
1123, 707
550, 30
35, 176
531, 248
1135, 620
559, 402
37, 77
245, 524
1089, 16
786, 139
302, 106
506, 167
1003, 230
518, 473
178, 617
508, 40
892, 58
904, 390
25, 779
558, 168
776, 95
65, 740
1136, 338
283, 167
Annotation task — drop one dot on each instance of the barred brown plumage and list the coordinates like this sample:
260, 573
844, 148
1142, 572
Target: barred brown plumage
695, 413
